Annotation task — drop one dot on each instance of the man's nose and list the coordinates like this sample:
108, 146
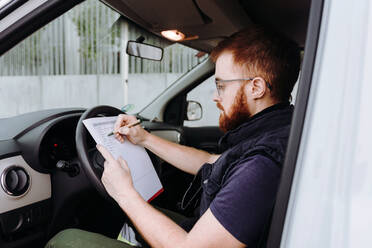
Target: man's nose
216, 97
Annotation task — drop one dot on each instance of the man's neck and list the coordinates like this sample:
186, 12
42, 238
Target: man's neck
261, 105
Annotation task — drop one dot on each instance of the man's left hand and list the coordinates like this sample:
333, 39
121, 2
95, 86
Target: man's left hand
116, 176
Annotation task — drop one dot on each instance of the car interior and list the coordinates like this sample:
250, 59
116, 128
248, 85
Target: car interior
45, 156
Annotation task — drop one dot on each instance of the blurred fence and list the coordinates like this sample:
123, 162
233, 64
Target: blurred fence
86, 40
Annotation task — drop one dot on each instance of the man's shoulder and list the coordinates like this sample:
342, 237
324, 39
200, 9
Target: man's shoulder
271, 145
253, 169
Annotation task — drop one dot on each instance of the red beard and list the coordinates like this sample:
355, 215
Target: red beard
239, 112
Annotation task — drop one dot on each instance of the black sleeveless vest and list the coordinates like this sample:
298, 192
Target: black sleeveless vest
265, 133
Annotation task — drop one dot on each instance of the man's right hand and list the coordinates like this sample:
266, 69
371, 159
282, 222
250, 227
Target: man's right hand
137, 135
184, 158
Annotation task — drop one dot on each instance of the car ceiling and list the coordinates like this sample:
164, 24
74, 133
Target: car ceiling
214, 20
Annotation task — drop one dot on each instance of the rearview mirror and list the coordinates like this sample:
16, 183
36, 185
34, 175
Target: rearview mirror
145, 51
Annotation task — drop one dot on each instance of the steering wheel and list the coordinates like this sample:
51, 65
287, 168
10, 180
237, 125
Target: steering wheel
91, 160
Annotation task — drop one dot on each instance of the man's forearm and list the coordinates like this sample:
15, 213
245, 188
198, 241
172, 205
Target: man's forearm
185, 158
156, 228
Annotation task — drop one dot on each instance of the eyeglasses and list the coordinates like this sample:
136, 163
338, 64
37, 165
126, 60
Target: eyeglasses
220, 87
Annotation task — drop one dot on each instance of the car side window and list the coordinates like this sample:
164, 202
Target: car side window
203, 94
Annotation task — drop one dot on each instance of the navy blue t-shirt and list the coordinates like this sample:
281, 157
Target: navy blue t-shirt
246, 199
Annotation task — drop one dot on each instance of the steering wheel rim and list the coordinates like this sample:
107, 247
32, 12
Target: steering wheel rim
88, 164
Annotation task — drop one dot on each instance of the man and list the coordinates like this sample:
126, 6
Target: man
255, 74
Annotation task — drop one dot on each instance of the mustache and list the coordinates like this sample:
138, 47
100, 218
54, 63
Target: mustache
219, 106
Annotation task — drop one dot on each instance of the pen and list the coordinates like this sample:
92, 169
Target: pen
129, 126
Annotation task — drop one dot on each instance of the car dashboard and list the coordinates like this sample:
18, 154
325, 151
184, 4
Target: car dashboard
48, 196
30, 177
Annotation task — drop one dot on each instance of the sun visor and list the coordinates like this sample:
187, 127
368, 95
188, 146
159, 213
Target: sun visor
168, 14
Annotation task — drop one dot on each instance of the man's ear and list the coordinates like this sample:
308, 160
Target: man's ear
258, 88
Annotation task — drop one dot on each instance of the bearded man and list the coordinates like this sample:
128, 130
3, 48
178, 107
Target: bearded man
255, 73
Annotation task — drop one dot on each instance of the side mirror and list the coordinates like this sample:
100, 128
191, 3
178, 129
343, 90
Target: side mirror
194, 111
144, 51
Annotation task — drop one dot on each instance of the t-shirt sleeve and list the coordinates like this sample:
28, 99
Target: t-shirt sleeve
246, 199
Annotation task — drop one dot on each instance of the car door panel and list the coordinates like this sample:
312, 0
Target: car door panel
204, 138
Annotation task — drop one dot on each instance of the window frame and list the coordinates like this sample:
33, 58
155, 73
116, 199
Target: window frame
34, 20
182, 108
311, 45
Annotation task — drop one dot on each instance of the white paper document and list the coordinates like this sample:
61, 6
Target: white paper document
145, 179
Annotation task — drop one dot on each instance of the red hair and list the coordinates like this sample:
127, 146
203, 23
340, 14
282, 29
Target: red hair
266, 54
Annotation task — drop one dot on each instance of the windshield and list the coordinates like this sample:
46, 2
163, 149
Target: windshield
79, 60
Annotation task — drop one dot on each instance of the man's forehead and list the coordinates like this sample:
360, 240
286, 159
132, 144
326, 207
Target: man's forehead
226, 68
